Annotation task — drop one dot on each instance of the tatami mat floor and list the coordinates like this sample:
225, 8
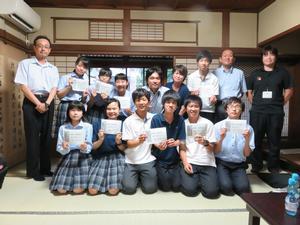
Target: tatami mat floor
24, 201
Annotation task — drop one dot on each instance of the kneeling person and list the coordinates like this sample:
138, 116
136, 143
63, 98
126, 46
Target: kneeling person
233, 148
199, 167
166, 153
139, 163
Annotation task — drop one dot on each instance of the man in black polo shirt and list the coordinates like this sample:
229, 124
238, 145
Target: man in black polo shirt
269, 88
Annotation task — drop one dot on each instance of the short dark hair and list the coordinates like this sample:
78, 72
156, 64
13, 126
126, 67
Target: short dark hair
193, 98
41, 37
121, 76
105, 72
271, 49
171, 95
181, 69
204, 54
83, 60
75, 105
235, 100
152, 70
140, 92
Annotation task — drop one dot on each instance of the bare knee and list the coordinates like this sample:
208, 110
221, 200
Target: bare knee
61, 191
78, 190
93, 191
113, 191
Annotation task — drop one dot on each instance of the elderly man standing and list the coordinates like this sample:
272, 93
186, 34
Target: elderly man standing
269, 88
38, 80
231, 83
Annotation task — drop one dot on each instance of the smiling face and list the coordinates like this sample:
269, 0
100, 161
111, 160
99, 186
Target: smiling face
234, 110
227, 58
154, 82
142, 104
121, 86
42, 49
178, 77
193, 110
80, 69
112, 111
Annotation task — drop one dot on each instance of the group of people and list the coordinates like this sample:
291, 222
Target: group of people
199, 153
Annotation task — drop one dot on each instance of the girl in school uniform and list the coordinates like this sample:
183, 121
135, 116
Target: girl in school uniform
72, 172
65, 92
107, 167
96, 105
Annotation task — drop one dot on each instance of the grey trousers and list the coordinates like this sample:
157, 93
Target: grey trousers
143, 173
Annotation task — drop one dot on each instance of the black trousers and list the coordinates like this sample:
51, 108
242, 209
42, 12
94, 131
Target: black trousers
208, 115
221, 114
38, 128
271, 125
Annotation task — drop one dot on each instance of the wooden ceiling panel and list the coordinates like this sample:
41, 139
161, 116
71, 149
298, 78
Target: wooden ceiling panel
186, 5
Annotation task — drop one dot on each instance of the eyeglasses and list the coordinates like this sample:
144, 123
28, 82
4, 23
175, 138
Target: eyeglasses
237, 107
43, 46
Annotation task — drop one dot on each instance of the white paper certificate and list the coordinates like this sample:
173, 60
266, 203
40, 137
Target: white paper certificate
80, 85
102, 87
125, 101
195, 129
111, 126
236, 126
74, 137
206, 90
156, 135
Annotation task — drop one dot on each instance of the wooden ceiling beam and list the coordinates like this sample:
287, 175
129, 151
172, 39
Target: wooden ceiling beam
184, 5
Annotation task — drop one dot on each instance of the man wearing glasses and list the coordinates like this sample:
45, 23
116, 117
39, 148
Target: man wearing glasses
38, 80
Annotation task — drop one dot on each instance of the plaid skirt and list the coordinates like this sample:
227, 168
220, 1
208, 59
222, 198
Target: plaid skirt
107, 172
61, 116
93, 115
72, 172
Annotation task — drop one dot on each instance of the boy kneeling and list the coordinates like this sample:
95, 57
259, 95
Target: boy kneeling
233, 148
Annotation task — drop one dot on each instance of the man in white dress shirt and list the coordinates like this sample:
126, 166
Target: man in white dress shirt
204, 84
38, 80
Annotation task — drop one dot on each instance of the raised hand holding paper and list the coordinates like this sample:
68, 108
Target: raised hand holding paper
236, 126
156, 135
111, 126
80, 85
105, 88
74, 137
195, 129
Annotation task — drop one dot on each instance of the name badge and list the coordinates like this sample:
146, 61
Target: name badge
267, 94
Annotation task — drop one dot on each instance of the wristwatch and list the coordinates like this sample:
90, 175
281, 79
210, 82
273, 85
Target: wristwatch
206, 143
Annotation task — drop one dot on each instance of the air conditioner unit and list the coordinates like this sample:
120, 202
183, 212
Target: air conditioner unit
20, 14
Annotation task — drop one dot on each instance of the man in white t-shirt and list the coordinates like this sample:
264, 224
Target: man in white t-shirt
140, 163
199, 166
204, 84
